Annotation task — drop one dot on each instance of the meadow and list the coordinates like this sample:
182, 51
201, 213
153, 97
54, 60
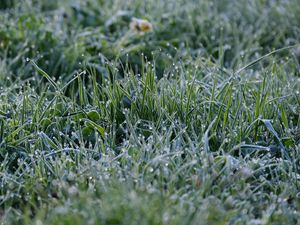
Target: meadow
193, 119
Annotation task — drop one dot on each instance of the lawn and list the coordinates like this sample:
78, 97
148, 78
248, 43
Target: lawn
150, 112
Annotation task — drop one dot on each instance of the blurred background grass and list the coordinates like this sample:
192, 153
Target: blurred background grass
65, 36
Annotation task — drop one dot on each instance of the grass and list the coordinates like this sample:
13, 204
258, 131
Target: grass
196, 122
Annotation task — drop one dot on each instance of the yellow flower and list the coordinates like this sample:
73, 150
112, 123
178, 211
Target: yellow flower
140, 26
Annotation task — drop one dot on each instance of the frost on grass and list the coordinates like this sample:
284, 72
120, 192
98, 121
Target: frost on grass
106, 119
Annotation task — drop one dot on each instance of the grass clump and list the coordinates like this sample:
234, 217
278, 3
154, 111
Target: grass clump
194, 122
